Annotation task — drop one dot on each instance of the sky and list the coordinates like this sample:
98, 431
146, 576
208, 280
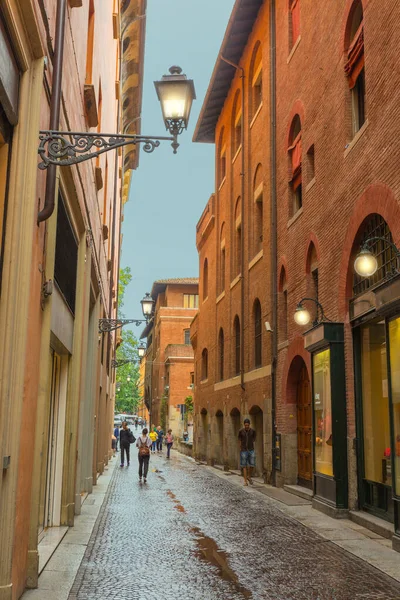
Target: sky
169, 191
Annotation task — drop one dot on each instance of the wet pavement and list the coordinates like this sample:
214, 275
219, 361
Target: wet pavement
189, 534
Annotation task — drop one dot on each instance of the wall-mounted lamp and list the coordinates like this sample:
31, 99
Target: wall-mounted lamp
366, 263
302, 316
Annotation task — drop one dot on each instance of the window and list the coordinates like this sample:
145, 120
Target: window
204, 364
221, 157
90, 44
236, 331
237, 254
283, 307
311, 163
376, 226
312, 289
187, 336
66, 259
190, 301
394, 345
323, 412
257, 211
205, 279
221, 354
257, 334
256, 79
237, 124
354, 67
295, 161
192, 379
222, 260
294, 22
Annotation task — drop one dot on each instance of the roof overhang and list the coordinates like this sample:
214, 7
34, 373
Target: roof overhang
241, 22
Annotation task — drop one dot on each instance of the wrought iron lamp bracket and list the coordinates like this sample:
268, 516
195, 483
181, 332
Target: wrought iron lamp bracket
320, 309
119, 363
106, 325
65, 148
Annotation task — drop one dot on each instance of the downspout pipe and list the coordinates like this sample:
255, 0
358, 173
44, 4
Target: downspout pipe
55, 105
242, 261
274, 231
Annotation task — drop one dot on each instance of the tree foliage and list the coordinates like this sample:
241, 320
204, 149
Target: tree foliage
127, 389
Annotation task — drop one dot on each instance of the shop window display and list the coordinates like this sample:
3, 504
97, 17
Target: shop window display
323, 413
375, 399
394, 345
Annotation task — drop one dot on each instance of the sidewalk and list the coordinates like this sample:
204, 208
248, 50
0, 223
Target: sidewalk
355, 539
59, 573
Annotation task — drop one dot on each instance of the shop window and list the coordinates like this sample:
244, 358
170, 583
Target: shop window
66, 259
236, 334
322, 413
222, 260
190, 301
257, 334
204, 364
294, 22
258, 211
187, 337
376, 226
256, 79
221, 354
90, 44
295, 166
394, 345
237, 237
311, 163
375, 404
354, 66
237, 124
205, 279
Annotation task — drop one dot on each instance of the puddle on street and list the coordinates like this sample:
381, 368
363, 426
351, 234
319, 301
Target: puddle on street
209, 552
177, 504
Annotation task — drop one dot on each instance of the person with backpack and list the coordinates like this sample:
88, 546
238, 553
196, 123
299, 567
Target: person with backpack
143, 444
126, 438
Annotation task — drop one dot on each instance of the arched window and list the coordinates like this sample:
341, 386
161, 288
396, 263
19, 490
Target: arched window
294, 22
295, 162
205, 279
236, 337
354, 67
312, 275
283, 307
257, 334
204, 364
375, 226
237, 123
256, 79
221, 354
221, 157
258, 211
222, 259
237, 238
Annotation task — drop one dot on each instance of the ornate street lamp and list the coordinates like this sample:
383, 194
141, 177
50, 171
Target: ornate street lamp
302, 316
107, 325
141, 350
366, 263
63, 148
147, 306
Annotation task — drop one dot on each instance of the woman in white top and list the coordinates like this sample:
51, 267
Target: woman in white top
144, 444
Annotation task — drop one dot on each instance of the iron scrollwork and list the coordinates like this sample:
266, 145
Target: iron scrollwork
64, 148
119, 363
107, 325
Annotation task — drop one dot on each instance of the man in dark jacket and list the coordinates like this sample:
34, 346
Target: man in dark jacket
126, 438
247, 437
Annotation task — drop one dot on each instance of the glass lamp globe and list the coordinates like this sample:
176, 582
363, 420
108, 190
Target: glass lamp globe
147, 305
176, 93
302, 316
141, 350
366, 263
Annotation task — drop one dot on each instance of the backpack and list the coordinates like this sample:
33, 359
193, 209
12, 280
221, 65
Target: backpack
144, 450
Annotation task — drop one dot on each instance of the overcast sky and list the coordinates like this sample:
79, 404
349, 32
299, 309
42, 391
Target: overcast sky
169, 192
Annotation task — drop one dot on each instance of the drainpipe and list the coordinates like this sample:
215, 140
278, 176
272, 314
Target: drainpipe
242, 265
274, 231
55, 106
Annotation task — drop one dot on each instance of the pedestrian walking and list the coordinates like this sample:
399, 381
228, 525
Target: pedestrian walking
126, 438
153, 436
116, 433
160, 435
114, 444
247, 437
144, 442
169, 440
136, 423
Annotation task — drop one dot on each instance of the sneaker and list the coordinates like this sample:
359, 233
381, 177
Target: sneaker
250, 480
145, 480
121, 465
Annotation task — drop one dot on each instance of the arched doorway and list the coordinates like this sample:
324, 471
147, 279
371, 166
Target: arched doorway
233, 449
202, 434
257, 423
219, 438
304, 427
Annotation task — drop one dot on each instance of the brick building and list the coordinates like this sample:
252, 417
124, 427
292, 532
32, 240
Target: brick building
168, 379
327, 143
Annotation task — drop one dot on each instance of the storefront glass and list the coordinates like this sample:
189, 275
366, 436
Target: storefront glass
394, 345
375, 402
323, 413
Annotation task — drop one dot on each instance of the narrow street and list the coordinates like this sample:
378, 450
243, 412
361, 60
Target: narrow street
189, 533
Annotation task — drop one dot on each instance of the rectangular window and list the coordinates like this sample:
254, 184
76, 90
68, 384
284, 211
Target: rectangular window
190, 301
192, 379
238, 132
358, 103
257, 90
297, 198
394, 345
187, 336
311, 163
222, 165
66, 260
322, 412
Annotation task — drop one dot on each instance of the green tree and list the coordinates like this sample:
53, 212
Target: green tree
127, 378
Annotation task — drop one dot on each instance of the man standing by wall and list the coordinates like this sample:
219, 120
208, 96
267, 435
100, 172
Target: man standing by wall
247, 437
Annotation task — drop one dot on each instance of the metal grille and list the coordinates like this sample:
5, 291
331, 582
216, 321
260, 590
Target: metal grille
376, 226
66, 262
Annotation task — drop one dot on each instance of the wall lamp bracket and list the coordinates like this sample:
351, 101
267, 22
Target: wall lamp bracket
107, 325
302, 315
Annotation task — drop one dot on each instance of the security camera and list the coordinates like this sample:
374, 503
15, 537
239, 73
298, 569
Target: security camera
268, 326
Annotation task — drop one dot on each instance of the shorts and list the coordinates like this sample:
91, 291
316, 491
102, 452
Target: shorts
247, 458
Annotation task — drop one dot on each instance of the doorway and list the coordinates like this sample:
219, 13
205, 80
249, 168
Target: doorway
257, 423
219, 438
304, 429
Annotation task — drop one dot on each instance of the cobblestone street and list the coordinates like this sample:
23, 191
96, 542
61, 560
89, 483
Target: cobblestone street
190, 534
